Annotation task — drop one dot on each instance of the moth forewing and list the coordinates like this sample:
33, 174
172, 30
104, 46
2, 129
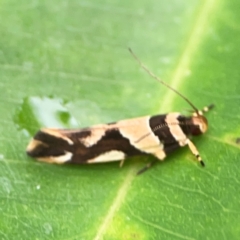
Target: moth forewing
100, 143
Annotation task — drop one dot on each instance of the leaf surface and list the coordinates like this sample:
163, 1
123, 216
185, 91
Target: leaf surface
66, 64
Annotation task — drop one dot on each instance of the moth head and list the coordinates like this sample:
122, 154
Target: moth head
199, 121
199, 124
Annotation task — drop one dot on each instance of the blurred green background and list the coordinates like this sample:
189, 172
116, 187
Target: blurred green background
66, 64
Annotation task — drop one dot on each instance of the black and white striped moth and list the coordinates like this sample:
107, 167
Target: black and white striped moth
155, 135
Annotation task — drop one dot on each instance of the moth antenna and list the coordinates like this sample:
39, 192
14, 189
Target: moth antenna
154, 130
206, 109
141, 138
162, 82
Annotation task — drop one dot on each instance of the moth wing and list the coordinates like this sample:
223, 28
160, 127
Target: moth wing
100, 143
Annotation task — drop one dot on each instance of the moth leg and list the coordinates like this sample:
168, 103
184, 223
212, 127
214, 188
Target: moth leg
147, 167
121, 163
195, 152
159, 154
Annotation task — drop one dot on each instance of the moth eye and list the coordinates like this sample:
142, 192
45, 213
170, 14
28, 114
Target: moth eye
195, 130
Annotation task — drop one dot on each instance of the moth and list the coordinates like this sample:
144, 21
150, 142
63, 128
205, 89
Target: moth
157, 135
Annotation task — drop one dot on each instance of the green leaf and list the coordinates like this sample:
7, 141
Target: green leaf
66, 64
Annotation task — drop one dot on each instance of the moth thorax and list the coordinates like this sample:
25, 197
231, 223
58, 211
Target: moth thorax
199, 126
